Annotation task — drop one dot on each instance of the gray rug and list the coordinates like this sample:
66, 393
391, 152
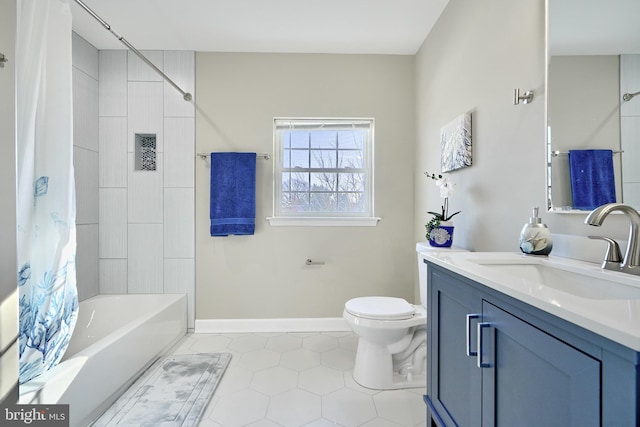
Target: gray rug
174, 391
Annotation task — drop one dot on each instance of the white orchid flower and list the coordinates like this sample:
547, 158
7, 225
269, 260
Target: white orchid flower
447, 188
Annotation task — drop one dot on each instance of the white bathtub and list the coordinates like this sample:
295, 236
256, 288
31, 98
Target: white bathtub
115, 339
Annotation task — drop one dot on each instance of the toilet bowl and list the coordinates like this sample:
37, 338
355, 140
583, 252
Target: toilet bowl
391, 342
391, 336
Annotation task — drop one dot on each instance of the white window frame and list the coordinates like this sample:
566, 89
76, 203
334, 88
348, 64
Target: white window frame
280, 218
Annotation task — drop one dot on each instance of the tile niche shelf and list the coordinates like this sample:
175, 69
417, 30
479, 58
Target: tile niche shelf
145, 152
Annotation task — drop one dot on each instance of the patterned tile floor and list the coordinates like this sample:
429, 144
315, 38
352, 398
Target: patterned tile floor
298, 379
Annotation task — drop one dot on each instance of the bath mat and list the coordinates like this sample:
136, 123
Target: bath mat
173, 392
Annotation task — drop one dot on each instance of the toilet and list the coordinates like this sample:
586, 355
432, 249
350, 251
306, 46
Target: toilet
391, 336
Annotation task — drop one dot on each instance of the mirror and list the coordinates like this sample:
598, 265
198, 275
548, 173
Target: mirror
593, 60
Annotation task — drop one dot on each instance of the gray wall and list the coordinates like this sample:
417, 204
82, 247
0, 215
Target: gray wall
8, 261
475, 56
264, 276
85, 163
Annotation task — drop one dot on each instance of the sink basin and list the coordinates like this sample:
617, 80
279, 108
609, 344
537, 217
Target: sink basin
584, 281
593, 285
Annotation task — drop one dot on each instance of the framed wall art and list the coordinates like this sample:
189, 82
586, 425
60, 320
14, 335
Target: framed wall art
455, 144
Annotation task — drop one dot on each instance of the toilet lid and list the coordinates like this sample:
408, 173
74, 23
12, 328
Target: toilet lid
380, 308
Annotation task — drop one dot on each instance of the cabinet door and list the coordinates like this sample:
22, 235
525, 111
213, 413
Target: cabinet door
534, 379
454, 387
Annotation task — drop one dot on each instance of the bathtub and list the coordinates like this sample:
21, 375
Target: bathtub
115, 339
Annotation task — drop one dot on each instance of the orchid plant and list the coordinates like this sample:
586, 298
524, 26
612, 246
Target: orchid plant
447, 188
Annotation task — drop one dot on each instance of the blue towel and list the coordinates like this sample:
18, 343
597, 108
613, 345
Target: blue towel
233, 193
592, 181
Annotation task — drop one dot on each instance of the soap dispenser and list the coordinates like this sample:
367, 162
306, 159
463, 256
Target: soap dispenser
535, 237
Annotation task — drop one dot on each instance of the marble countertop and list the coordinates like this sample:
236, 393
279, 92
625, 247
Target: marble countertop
604, 302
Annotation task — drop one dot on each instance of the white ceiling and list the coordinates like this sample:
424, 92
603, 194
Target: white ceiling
300, 26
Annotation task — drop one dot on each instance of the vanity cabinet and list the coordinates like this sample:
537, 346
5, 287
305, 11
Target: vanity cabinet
531, 378
496, 361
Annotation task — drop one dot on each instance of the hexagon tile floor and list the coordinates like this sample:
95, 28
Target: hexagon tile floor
298, 379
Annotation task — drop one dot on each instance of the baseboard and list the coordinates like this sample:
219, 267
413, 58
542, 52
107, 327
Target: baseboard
320, 324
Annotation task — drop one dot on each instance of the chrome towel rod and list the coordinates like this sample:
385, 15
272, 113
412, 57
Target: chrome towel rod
628, 96
557, 153
185, 95
265, 156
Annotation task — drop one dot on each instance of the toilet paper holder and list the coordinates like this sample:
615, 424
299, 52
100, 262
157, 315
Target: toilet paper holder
309, 261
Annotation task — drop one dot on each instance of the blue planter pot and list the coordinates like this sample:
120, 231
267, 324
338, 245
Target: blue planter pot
441, 237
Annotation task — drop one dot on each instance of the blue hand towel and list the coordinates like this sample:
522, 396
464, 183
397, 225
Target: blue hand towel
592, 180
233, 193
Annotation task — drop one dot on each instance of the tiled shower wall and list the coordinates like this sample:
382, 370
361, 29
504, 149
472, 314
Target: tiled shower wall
85, 161
630, 127
146, 236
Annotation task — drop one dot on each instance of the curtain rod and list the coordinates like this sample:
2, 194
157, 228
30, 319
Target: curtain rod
185, 95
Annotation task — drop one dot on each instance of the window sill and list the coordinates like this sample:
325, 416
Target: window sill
323, 222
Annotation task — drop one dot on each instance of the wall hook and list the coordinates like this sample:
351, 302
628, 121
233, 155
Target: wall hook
3, 59
526, 98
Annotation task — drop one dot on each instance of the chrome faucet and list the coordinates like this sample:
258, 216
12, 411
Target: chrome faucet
631, 262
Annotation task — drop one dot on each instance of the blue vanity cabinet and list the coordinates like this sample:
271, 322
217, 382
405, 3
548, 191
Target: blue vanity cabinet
533, 368
454, 382
530, 378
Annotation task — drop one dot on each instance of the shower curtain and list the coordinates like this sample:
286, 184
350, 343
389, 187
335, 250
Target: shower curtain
46, 188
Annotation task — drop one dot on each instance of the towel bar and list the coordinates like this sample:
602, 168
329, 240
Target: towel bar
557, 153
265, 156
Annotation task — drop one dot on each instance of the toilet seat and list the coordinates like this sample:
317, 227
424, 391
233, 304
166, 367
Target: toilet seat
380, 308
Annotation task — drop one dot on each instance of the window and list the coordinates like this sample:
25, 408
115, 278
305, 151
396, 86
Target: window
323, 170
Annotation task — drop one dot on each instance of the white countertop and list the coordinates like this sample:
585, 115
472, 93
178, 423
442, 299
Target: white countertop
611, 310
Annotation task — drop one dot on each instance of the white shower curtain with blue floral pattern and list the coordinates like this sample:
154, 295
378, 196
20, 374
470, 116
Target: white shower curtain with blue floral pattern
46, 188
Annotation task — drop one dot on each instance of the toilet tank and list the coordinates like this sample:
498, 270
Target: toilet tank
422, 267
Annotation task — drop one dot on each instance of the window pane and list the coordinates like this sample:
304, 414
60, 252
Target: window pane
323, 181
350, 159
299, 139
300, 159
325, 159
295, 202
353, 139
300, 181
352, 202
323, 202
286, 181
295, 181
351, 182
286, 158
323, 139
